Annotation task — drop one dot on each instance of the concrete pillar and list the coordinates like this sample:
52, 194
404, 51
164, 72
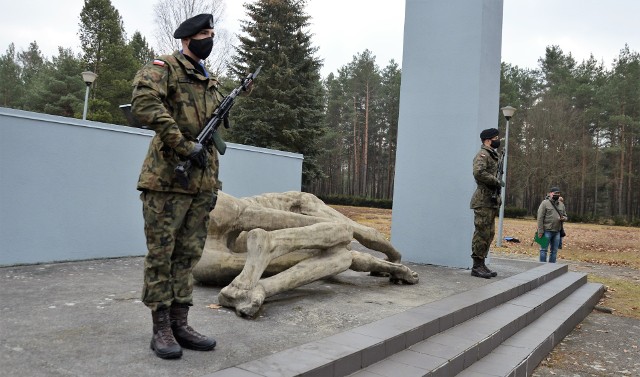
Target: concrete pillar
449, 93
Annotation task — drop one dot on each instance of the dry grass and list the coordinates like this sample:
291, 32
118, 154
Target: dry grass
600, 244
609, 254
376, 218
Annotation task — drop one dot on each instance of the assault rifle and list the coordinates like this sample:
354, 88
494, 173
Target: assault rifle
208, 134
499, 174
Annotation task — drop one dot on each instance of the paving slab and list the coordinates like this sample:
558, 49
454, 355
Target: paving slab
85, 318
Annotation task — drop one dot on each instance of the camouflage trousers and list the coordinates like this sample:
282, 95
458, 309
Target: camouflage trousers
175, 226
485, 229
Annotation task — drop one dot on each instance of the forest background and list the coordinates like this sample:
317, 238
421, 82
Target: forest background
576, 126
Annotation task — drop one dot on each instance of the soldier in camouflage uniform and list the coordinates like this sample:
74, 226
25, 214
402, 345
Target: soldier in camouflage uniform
484, 202
175, 96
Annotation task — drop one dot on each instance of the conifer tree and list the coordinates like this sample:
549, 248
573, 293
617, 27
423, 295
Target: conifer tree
58, 88
32, 62
107, 54
100, 27
11, 85
285, 109
142, 52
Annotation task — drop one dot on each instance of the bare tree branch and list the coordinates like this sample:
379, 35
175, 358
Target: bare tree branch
169, 14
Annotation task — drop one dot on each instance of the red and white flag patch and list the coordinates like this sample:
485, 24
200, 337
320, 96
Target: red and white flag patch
158, 62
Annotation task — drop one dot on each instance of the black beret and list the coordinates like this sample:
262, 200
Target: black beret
489, 133
193, 25
554, 189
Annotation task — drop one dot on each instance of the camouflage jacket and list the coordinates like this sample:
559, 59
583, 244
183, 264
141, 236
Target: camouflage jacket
485, 167
174, 100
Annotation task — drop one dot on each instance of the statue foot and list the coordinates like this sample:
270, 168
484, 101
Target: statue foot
245, 302
404, 276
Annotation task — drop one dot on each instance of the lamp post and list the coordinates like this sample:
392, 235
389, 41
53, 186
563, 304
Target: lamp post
507, 111
88, 77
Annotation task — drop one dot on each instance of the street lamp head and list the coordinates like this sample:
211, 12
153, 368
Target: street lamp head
508, 111
88, 77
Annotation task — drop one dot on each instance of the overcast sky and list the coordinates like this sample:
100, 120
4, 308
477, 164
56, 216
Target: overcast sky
343, 28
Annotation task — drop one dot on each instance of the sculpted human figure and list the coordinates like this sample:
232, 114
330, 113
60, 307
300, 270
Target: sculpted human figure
262, 245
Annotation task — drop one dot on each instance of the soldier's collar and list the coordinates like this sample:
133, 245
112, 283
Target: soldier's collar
190, 65
493, 151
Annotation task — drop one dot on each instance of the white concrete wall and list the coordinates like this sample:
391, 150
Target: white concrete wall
449, 93
68, 187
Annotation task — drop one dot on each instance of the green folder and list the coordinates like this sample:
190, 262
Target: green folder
542, 241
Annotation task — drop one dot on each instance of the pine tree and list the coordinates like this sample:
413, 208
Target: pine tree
285, 109
390, 112
100, 27
32, 62
58, 88
11, 86
107, 54
141, 50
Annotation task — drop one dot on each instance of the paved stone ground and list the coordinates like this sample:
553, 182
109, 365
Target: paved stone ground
85, 319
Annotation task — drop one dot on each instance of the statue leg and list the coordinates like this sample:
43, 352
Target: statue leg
374, 240
330, 262
262, 247
399, 273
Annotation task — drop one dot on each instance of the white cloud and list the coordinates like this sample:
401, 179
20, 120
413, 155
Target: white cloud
343, 28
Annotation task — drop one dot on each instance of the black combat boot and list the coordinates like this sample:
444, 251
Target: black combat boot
186, 336
491, 273
477, 269
163, 343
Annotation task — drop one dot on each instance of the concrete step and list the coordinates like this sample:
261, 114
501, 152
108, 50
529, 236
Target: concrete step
451, 351
520, 354
355, 350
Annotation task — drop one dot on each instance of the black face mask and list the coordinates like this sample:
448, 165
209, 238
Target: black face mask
495, 144
201, 47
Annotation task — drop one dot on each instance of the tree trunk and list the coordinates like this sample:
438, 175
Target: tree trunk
629, 179
583, 173
356, 170
365, 143
390, 173
620, 180
595, 180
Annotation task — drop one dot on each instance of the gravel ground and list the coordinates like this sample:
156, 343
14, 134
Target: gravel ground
602, 345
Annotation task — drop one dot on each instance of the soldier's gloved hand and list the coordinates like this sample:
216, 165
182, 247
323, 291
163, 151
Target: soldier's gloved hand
198, 156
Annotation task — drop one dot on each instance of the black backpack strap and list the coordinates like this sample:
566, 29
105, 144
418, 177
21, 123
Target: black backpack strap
559, 214
556, 208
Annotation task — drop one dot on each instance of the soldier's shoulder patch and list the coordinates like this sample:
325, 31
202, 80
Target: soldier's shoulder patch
482, 155
159, 62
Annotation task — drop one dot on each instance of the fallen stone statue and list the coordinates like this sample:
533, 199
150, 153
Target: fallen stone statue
260, 246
